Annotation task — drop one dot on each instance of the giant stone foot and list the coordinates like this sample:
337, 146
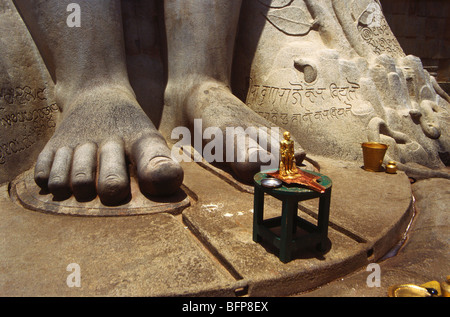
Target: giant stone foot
103, 130
248, 142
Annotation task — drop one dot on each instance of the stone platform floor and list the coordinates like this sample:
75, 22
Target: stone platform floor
207, 248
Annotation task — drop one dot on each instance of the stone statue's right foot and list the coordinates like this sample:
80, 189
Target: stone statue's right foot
89, 153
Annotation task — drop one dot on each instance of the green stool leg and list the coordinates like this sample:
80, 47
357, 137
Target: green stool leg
323, 217
287, 222
258, 213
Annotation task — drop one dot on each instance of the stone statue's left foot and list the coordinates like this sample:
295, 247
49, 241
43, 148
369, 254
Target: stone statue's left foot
217, 108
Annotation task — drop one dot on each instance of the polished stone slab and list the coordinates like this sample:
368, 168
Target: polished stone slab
420, 257
207, 250
25, 190
365, 222
151, 255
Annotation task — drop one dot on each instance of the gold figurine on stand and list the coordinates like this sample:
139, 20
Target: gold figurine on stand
288, 168
288, 171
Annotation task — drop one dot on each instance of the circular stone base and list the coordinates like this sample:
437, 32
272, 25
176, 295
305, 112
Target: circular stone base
27, 193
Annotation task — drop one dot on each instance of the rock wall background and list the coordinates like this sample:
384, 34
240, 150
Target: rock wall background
422, 28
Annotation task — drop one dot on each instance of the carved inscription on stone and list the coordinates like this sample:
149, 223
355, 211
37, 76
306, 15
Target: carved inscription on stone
27, 119
301, 102
375, 31
21, 95
28, 113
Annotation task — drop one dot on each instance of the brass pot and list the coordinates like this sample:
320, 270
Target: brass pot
373, 154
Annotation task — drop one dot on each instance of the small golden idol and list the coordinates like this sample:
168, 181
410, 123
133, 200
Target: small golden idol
288, 168
288, 171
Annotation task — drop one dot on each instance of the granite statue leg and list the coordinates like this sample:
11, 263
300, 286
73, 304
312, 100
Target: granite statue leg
103, 126
200, 42
336, 74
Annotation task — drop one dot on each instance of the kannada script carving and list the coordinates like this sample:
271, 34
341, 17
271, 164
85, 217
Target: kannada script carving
21, 95
375, 31
26, 117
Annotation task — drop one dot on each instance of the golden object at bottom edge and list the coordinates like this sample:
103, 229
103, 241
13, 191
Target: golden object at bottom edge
408, 290
445, 287
429, 289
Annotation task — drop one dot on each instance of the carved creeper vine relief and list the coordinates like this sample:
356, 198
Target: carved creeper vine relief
291, 20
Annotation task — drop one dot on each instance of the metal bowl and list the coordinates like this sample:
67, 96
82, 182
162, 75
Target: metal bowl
271, 183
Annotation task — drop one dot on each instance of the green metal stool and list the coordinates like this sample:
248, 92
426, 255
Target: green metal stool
291, 195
